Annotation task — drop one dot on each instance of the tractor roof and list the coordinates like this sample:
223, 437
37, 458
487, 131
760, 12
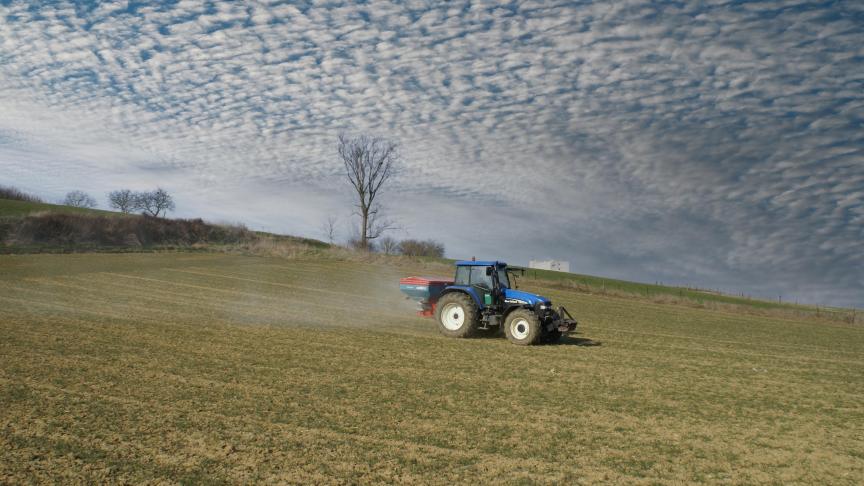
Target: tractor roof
480, 263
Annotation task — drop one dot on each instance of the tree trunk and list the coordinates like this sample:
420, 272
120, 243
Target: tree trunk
364, 235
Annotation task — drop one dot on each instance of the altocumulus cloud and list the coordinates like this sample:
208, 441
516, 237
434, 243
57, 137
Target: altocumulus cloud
713, 143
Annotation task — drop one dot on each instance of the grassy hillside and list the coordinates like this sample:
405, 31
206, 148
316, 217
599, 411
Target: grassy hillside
12, 208
291, 246
293, 240
613, 286
216, 368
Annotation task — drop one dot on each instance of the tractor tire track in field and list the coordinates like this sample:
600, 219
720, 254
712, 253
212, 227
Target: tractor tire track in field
265, 282
706, 347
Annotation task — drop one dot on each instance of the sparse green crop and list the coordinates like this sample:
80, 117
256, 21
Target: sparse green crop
12, 208
223, 368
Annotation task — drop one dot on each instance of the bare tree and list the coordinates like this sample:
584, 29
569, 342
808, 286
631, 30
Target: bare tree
369, 163
329, 229
388, 245
124, 200
156, 203
79, 199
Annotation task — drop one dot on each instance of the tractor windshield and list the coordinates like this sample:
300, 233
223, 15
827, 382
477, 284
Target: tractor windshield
503, 279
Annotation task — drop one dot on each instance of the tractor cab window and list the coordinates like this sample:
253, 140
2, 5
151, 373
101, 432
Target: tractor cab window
503, 279
480, 278
462, 276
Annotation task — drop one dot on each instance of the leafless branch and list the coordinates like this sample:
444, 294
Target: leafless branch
329, 229
156, 203
123, 200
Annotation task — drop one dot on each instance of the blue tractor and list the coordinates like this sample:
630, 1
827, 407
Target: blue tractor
484, 297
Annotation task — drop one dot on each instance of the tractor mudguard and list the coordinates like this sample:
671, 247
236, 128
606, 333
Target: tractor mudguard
467, 289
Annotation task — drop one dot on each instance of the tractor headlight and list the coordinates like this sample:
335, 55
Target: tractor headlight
543, 306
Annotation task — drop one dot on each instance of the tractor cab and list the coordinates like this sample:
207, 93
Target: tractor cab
480, 280
493, 284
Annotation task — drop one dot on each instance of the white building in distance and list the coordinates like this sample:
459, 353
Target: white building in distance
555, 265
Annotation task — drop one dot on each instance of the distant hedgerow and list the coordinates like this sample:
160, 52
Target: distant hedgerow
9, 192
133, 231
427, 248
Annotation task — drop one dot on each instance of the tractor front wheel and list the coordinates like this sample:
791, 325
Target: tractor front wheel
523, 327
456, 315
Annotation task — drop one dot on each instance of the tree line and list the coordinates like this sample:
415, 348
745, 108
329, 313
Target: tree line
409, 247
152, 203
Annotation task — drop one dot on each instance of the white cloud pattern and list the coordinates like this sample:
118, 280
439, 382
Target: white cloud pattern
714, 143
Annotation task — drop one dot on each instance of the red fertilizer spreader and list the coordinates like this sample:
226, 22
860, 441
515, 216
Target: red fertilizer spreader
425, 290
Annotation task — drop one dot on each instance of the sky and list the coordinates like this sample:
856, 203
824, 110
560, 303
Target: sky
714, 143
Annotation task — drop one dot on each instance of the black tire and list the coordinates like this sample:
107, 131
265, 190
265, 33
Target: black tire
457, 304
522, 327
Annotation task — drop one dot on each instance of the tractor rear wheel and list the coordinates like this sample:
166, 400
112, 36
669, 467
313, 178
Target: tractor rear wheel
522, 327
457, 315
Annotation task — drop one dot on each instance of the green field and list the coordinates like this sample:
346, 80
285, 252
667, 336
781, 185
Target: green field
213, 368
11, 208
615, 287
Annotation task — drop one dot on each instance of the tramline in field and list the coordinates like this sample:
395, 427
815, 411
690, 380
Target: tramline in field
483, 295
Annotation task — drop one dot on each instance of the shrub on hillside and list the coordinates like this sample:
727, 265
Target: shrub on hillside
96, 230
9, 192
388, 245
356, 244
79, 199
427, 248
6, 227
